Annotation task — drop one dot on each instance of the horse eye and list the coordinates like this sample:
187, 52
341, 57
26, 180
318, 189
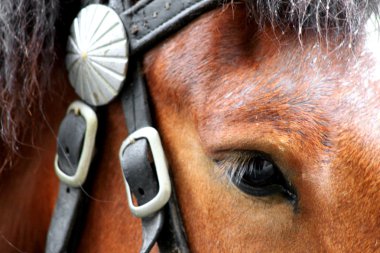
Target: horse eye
259, 176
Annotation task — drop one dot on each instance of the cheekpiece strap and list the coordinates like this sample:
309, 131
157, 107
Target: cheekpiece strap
137, 161
75, 147
147, 23
143, 173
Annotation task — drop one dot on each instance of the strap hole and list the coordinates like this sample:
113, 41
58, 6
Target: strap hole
141, 191
67, 150
67, 190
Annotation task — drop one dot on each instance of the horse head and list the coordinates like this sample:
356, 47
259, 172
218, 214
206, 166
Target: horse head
268, 113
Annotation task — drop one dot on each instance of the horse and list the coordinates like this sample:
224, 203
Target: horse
268, 112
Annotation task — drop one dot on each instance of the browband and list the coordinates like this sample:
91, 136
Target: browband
150, 21
147, 23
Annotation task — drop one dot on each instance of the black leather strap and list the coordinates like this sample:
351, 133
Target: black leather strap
165, 226
135, 100
147, 23
143, 183
136, 161
70, 201
150, 21
70, 141
173, 236
64, 223
117, 5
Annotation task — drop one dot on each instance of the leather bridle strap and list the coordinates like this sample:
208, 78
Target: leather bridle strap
136, 162
65, 225
70, 199
148, 22
165, 226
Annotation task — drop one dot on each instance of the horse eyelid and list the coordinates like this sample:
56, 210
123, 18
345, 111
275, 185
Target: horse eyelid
232, 164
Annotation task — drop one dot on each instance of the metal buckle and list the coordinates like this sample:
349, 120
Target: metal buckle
91, 119
161, 166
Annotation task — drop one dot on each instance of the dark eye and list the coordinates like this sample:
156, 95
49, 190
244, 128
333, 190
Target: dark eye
258, 175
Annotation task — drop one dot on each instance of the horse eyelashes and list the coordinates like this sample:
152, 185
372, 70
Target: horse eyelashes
239, 164
255, 174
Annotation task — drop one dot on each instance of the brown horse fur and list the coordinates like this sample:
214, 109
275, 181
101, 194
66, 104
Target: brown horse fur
309, 111
221, 87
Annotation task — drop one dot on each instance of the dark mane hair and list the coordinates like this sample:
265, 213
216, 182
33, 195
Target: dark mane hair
27, 55
342, 18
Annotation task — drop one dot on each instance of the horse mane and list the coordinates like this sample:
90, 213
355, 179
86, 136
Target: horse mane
27, 55
28, 34
341, 18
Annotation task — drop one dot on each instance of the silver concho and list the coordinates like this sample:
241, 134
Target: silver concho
97, 54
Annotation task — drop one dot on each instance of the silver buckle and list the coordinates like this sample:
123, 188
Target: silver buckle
161, 166
91, 119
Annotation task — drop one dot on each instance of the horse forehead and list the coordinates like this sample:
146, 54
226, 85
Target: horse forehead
303, 90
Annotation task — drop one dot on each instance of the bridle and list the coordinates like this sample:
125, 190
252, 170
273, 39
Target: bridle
105, 41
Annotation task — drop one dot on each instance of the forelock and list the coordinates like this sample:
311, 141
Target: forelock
340, 18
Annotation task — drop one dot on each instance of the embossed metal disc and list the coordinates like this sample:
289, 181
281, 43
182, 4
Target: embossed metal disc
97, 54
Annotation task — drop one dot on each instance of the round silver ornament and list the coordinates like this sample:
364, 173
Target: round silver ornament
97, 54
